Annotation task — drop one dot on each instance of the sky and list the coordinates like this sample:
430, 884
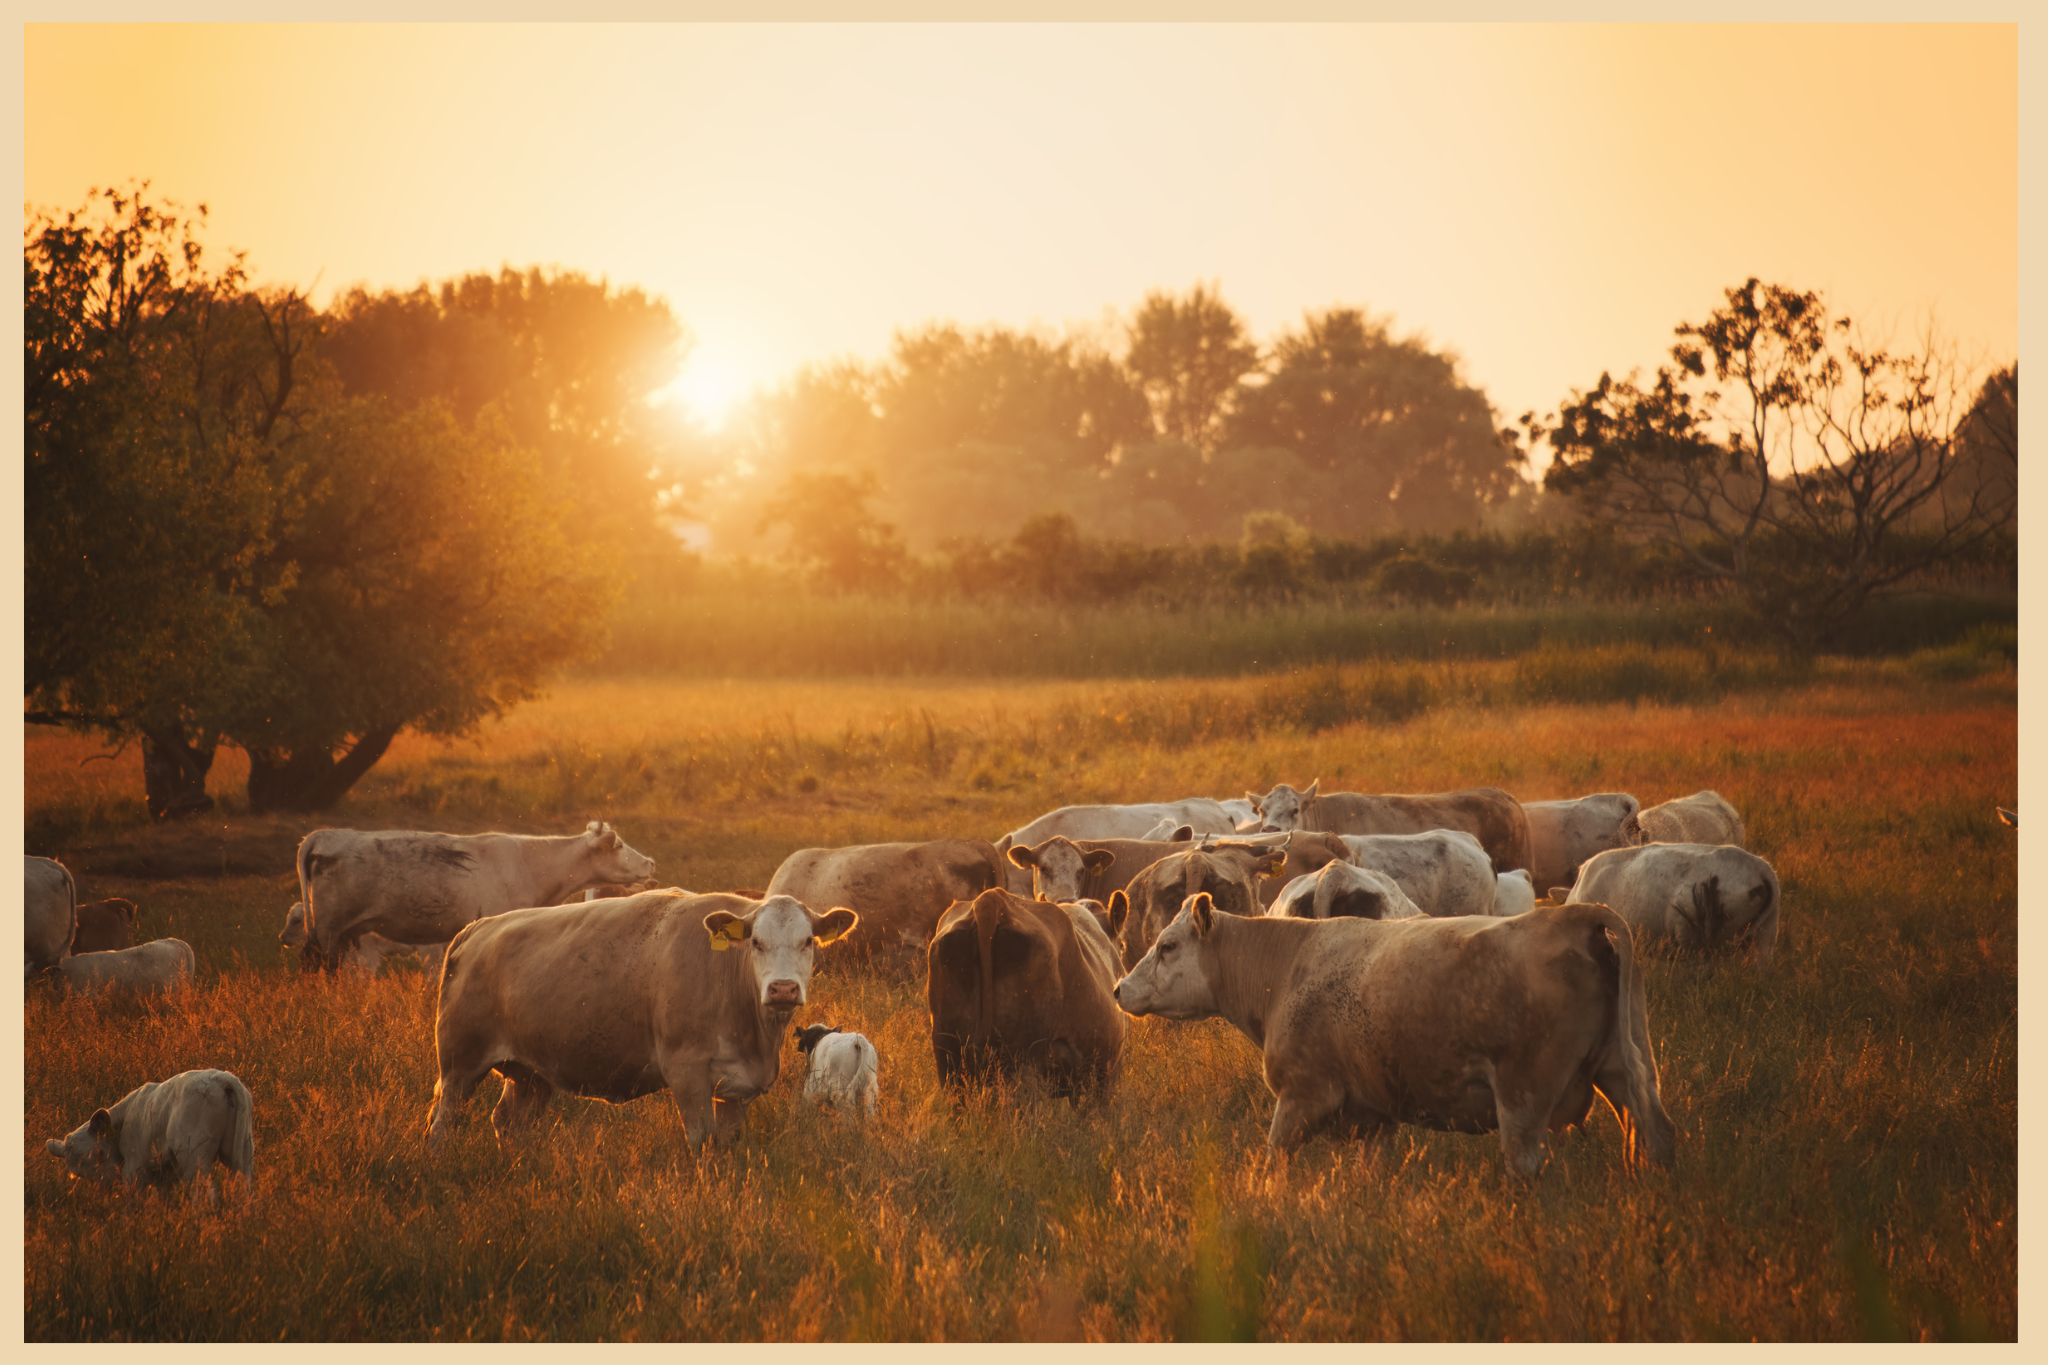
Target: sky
1547, 202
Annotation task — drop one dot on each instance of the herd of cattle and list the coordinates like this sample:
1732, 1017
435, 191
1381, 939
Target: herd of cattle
1388, 955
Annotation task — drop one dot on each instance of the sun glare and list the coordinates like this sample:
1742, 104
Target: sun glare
708, 387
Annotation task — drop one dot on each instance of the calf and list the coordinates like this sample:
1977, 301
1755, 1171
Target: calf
1703, 898
160, 968
104, 926
1467, 1024
179, 1127
844, 1068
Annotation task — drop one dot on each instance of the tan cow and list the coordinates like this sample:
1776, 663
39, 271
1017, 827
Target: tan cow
49, 913
371, 951
160, 968
898, 890
620, 998
1228, 870
1487, 813
1702, 818
104, 926
1563, 834
1701, 898
1023, 987
1467, 1024
1063, 870
180, 1127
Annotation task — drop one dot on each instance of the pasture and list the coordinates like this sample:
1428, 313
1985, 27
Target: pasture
1848, 1119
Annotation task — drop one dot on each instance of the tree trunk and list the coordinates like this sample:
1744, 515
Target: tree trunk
174, 774
312, 779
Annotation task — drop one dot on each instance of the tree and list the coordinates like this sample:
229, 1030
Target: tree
1187, 355
834, 539
1401, 440
1783, 456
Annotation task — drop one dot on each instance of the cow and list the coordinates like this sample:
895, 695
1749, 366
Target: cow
1444, 871
1307, 853
177, 1128
1121, 822
1700, 898
1243, 814
1022, 987
1563, 834
1514, 893
1487, 813
620, 998
371, 952
1064, 869
606, 891
414, 887
898, 890
1168, 831
163, 967
1702, 818
1466, 1024
1342, 889
1230, 871
844, 1068
49, 914
104, 926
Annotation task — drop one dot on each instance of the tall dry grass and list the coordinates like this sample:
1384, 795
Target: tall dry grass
1848, 1119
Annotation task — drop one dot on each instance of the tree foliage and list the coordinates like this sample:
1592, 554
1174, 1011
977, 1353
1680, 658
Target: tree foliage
1188, 356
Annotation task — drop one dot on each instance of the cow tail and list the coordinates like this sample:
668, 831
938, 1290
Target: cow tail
988, 913
1611, 940
242, 1136
71, 889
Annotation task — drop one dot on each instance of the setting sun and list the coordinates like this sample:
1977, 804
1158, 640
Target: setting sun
708, 386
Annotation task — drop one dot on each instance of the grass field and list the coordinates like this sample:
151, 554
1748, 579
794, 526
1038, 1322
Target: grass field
1848, 1119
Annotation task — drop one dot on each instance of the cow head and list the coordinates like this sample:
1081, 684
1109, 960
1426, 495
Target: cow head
1059, 868
294, 934
1169, 980
610, 860
1280, 809
89, 1151
1228, 872
811, 1036
780, 937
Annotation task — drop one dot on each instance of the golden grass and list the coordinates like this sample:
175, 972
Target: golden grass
1848, 1119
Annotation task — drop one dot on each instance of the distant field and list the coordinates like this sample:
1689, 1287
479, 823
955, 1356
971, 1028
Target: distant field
1848, 1120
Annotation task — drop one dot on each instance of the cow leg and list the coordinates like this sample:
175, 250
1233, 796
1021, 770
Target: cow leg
729, 1120
451, 1094
1524, 1129
520, 1103
1298, 1112
692, 1087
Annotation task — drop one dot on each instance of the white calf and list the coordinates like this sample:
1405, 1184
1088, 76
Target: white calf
1514, 893
158, 968
844, 1068
181, 1126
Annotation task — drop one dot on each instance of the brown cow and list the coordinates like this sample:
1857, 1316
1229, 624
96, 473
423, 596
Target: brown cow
620, 998
1227, 870
104, 926
898, 890
1467, 1024
1023, 986
1487, 813
1064, 869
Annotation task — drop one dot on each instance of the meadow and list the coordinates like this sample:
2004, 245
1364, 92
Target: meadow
1848, 1119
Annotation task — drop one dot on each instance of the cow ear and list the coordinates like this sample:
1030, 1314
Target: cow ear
1258, 802
1098, 859
726, 929
1182, 834
1020, 856
1119, 910
1202, 906
835, 925
1309, 793
609, 839
593, 827
100, 1123
1271, 863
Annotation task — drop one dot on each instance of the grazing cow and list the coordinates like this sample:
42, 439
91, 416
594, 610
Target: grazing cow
1514, 893
159, 968
1444, 871
1702, 818
1342, 889
178, 1128
1121, 822
898, 890
1487, 813
49, 913
620, 998
1023, 987
371, 952
104, 926
1563, 834
1230, 871
1704, 898
1466, 1024
416, 887
1064, 870
844, 1068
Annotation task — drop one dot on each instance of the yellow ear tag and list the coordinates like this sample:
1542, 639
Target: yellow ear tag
727, 934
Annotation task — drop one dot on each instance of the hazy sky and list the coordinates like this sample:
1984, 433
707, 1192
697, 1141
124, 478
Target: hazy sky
1545, 201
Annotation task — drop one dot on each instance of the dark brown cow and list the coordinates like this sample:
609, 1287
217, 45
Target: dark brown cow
1064, 869
1228, 870
104, 926
1487, 813
1024, 987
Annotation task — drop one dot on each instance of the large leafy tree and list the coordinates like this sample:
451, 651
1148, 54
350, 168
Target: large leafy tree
1188, 354
1784, 457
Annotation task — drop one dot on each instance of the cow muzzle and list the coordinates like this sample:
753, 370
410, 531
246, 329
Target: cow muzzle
783, 995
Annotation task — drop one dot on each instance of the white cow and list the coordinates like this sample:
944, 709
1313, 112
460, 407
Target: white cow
845, 1070
181, 1127
416, 887
1701, 897
160, 968
1515, 893
1563, 834
1243, 812
1169, 832
1445, 871
1341, 889
371, 952
49, 914
1702, 818
1120, 822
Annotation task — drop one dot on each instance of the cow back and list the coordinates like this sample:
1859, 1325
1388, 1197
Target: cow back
1487, 813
